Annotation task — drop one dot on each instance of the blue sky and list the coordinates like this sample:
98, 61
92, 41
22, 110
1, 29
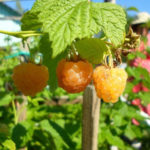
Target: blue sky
142, 5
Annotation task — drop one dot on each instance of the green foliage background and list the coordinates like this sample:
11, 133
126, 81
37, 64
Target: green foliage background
46, 124
58, 127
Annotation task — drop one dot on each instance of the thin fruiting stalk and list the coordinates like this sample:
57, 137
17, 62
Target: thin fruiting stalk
108, 43
75, 55
110, 63
31, 54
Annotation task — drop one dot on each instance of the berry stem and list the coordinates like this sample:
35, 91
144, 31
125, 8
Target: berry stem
110, 63
73, 53
31, 59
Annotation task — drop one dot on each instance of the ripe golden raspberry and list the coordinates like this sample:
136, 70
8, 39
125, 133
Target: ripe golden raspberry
30, 78
109, 83
74, 76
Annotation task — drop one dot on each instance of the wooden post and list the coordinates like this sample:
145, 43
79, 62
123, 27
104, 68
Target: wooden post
21, 109
90, 119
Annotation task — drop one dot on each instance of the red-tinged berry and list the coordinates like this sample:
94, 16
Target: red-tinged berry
136, 102
142, 108
136, 62
139, 62
144, 89
146, 64
137, 88
74, 76
148, 109
148, 56
135, 122
30, 78
109, 83
148, 37
142, 46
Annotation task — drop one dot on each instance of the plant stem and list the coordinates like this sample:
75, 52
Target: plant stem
22, 34
15, 112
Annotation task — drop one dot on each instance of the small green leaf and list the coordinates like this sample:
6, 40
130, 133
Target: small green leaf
118, 120
57, 132
129, 87
131, 56
9, 144
137, 72
33, 24
141, 55
22, 133
92, 49
132, 131
102, 134
129, 132
145, 98
5, 98
114, 140
132, 8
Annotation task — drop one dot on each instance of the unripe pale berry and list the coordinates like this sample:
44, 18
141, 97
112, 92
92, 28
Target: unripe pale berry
109, 83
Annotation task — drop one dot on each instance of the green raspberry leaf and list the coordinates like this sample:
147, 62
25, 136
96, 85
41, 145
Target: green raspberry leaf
9, 144
112, 19
30, 21
22, 133
58, 134
145, 98
67, 20
5, 98
92, 49
114, 140
132, 132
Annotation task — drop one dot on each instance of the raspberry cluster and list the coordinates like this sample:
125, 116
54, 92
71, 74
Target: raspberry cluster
75, 76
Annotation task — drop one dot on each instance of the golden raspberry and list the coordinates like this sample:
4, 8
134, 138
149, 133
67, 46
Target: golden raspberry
30, 78
109, 83
74, 76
